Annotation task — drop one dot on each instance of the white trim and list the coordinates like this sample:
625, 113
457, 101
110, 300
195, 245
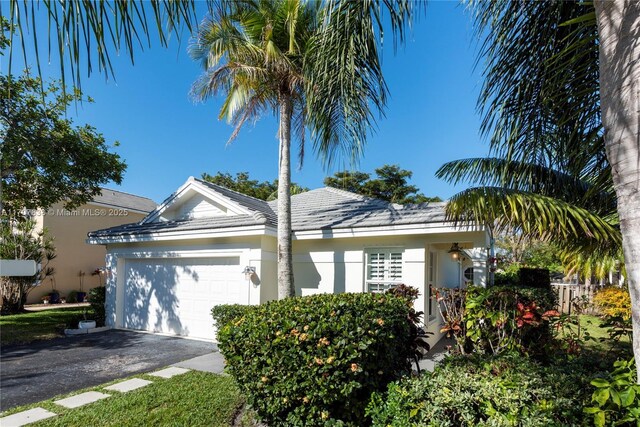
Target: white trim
255, 230
164, 254
383, 230
267, 230
386, 250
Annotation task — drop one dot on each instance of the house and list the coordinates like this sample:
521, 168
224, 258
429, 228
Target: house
76, 260
207, 245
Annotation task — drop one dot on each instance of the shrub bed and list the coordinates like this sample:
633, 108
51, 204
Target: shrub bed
498, 319
315, 361
487, 391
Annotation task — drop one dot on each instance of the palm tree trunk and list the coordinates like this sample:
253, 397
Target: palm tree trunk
285, 260
619, 34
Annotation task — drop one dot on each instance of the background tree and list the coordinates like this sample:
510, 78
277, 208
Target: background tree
44, 158
275, 56
241, 183
391, 185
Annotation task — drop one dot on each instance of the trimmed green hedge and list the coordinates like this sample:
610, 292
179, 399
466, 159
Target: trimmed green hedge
315, 361
225, 313
487, 391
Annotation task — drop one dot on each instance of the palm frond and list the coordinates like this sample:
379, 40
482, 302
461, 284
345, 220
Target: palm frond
531, 178
536, 215
85, 30
541, 80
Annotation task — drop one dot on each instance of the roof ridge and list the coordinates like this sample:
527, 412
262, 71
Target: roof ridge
228, 189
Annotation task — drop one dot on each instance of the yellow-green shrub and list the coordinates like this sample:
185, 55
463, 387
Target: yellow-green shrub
316, 360
613, 301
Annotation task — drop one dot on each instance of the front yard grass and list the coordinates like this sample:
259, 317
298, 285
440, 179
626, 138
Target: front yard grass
592, 325
36, 325
191, 399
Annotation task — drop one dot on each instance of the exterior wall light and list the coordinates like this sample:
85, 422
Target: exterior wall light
249, 272
455, 252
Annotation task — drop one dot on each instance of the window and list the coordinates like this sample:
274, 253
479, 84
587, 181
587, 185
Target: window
431, 283
384, 269
468, 276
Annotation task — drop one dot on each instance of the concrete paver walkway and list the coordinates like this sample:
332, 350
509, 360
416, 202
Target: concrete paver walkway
128, 385
26, 417
81, 399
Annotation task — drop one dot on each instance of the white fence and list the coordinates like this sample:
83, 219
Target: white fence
573, 292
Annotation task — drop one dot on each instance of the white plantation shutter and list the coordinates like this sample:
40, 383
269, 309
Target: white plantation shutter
384, 269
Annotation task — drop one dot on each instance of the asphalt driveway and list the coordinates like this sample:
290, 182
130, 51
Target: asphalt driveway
34, 372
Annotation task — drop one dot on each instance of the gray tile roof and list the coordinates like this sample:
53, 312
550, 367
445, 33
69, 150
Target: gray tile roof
248, 202
321, 209
121, 200
330, 208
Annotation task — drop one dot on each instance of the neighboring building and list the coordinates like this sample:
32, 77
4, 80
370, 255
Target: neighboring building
69, 230
190, 254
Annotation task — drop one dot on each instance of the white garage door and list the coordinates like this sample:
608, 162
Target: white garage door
175, 295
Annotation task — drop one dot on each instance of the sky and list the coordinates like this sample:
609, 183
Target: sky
165, 137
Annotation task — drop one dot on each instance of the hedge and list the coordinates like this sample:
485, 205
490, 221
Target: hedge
316, 360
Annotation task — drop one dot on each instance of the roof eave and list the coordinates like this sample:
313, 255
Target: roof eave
252, 230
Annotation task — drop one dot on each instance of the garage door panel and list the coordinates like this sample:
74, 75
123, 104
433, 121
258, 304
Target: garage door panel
175, 295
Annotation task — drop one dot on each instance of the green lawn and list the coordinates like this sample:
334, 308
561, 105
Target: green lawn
191, 399
592, 325
36, 325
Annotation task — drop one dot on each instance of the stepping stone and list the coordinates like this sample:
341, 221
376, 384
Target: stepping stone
81, 399
129, 385
26, 417
169, 372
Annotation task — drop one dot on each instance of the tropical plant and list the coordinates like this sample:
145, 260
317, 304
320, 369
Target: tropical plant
83, 29
616, 398
556, 96
275, 56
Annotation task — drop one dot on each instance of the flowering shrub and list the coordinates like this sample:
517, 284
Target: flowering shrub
613, 301
315, 361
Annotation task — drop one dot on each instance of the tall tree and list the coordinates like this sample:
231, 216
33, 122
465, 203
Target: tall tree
251, 187
44, 157
619, 55
391, 184
275, 55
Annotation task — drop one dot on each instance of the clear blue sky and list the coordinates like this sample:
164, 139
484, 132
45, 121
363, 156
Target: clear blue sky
165, 137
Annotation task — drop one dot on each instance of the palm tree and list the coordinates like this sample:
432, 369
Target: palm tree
568, 72
542, 203
275, 56
619, 45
